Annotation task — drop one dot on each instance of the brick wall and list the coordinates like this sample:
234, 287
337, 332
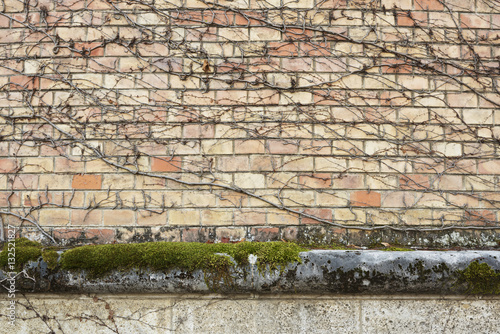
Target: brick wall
265, 120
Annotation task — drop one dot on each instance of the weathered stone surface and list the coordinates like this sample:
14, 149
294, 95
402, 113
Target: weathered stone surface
252, 314
321, 271
430, 316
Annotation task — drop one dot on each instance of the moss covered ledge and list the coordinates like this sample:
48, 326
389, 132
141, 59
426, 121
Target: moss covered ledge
247, 267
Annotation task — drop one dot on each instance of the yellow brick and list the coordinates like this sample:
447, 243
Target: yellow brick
119, 217
329, 199
54, 217
233, 34
298, 163
264, 34
217, 146
184, 217
249, 180
281, 217
98, 166
216, 217
198, 199
57, 181
381, 181
151, 219
351, 216
38, 165
298, 197
117, 181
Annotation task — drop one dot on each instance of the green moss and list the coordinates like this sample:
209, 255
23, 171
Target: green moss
25, 251
101, 259
480, 279
50, 257
334, 246
397, 249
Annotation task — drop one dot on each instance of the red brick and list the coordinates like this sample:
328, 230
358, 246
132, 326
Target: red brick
167, 164
8, 166
428, 5
406, 19
192, 17
253, 19
365, 198
20, 82
87, 181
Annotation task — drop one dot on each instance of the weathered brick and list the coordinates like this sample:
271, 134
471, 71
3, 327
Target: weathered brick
87, 181
264, 234
216, 217
323, 214
81, 217
489, 167
183, 217
235, 234
118, 217
282, 147
280, 217
8, 165
151, 218
166, 164
365, 198
54, 217
428, 5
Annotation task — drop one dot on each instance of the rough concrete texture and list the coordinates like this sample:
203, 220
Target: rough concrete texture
332, 271
252, 314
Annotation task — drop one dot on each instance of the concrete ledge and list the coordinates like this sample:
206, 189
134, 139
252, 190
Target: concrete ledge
321, 271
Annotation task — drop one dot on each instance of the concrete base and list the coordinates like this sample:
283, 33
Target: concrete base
169, 313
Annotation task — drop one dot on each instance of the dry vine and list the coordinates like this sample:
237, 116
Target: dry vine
348, 113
